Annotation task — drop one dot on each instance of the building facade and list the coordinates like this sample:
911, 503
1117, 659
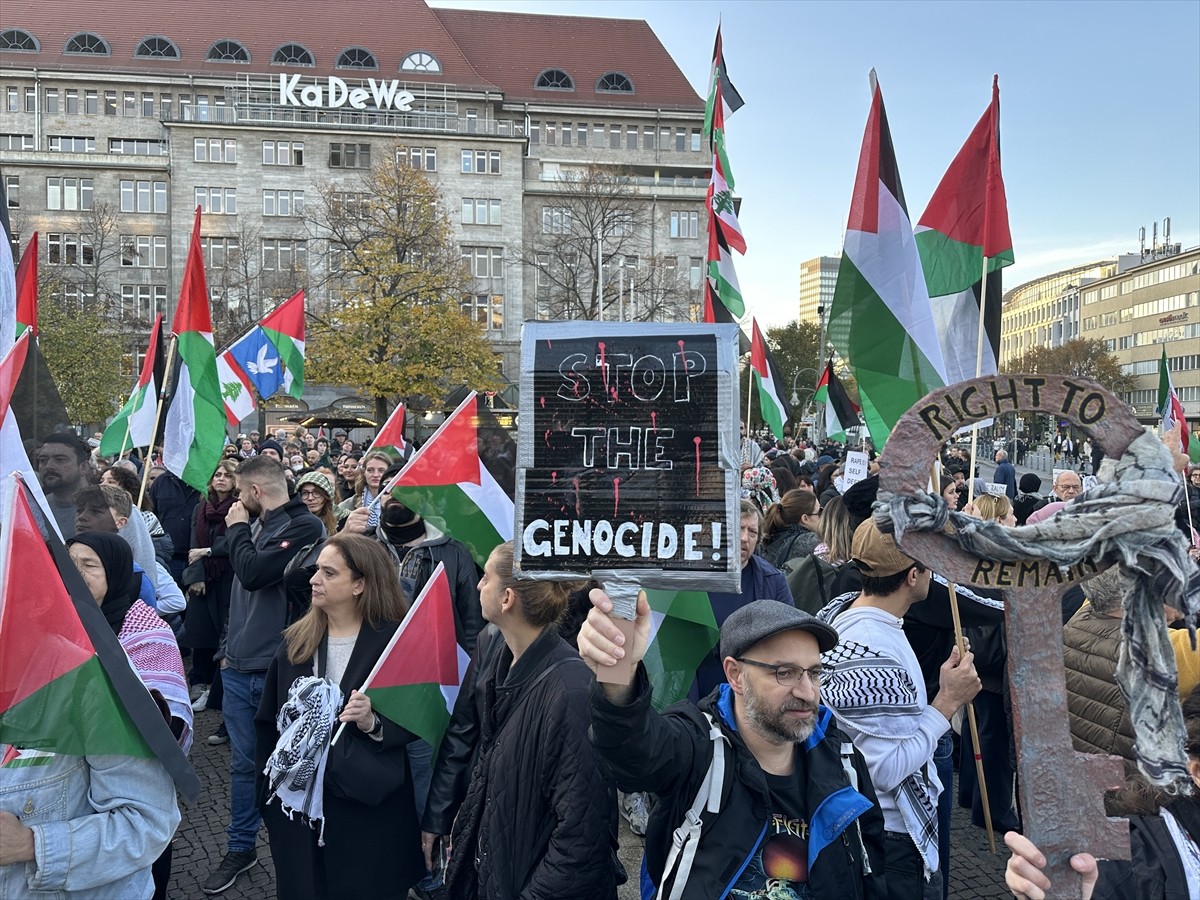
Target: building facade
1045, 312
818, 278
118, 122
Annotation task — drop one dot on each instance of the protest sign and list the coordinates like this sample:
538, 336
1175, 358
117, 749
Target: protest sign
627, 454
995, 489
856, 468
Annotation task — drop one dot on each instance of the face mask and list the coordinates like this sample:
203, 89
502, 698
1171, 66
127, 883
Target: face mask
296, 467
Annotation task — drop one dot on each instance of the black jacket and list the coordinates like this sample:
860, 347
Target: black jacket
538, 818
421, 559
1154, 870
372, 839
669, 755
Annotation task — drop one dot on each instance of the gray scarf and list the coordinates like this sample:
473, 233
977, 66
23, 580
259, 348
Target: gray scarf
1128, 520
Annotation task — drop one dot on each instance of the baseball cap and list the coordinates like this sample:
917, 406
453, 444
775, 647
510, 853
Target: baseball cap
875, 553
762, 619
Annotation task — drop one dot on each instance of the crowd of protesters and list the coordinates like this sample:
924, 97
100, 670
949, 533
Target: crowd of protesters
814, 757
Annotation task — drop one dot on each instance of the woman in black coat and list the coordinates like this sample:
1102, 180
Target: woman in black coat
370, 828
532, 805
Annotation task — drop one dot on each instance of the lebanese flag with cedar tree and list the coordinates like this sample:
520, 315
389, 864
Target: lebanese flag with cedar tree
449, 484
417, 679
66, 685
27, 298
766, 376
391, 435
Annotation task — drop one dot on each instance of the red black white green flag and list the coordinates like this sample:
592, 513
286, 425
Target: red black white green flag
27, 288
840, 411
66, 685
391, 435
769, 383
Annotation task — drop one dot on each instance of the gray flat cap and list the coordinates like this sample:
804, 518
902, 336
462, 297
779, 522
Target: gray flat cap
762, 619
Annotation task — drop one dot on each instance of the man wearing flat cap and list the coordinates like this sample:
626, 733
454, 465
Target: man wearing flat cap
877, 695
758, 793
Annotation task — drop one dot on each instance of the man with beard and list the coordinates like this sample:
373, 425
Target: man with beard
877, 694
757, 791
63, 467
258, 613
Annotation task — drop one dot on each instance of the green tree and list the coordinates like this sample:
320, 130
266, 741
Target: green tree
86, 360
1080, 358
396, 279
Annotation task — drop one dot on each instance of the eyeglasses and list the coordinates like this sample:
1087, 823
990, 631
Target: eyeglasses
789, 675
311, 495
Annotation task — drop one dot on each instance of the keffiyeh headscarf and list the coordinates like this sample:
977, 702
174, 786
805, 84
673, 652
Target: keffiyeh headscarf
758, 484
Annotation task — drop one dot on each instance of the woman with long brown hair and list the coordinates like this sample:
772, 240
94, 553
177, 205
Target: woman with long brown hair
790, 527
351, 829
316, 490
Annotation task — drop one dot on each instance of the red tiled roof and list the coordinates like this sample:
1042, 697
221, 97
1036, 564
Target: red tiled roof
390, 29
512, 49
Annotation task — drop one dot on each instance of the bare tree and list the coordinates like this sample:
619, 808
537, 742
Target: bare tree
593, 237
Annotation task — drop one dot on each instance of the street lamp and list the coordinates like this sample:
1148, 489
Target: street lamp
796, 396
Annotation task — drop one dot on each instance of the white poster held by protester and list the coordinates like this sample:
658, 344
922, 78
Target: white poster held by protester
856, 468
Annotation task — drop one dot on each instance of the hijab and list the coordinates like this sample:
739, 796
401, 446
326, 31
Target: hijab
123, 585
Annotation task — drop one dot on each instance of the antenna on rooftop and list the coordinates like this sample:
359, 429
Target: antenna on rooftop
1142, 240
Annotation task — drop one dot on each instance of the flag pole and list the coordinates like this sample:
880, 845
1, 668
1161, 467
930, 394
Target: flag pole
978, 373
162, 396
125, 440
749, 390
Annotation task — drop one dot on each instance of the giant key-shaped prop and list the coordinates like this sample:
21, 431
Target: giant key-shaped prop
1061, 790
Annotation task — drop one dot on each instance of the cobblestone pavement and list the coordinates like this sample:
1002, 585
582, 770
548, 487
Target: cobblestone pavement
200, 843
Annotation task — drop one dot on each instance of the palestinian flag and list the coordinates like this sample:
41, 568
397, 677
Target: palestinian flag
462, 479
682, 632
721, 208
134, 424
416, 681
840, 411
715, 311
36, 402
27, 288
880, 319
195, 432
719, 86
391, 435
965, 223
285, 329
1170, 407
769, 382
721, 274
66, 685
12, 447
236, 392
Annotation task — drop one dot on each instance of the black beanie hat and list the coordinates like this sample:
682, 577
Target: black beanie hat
1029, 483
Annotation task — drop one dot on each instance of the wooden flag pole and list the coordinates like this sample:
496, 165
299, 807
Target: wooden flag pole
978, 373
162, 396
749, 391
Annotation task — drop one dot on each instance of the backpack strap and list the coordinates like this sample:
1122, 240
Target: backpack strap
686, 839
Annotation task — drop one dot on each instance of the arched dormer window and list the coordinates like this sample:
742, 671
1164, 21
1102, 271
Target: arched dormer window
20, 40
88, 44
420, 61
156, 47
554, 80
293, 55
228, 51
356, 58
614, 83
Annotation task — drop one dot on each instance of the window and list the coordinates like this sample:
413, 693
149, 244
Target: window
14, 100
228, 51
129, 107
349, 156
554, 80
283, 203
695, 140
30, 100
484, 309
648, 142
16, 141
356, 58
557, 220
87, 43
480, 211
143, 300
293, 55
61, 143
110, 103
69, 250
219, 252
283, 153
144, 251
681, 139
349, 205
148, 104
614, 83
597, 135
91, 103
51, 100
217, 201
535, 131
69, 193
424, 158
614, 137
420, 61
164, 104
484, 262
551, 134
284, 254
156, 48
144, 196
581, 133
566, 134
685, 223
664, 139
620, 223
19, 40
631, 137
12, 191
542, 271
215, 150
135, 147
695, 267
481, 162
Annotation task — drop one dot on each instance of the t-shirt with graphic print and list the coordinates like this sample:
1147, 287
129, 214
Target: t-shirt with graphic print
778, 870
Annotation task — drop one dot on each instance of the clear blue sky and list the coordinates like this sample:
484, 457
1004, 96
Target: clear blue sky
1099, 105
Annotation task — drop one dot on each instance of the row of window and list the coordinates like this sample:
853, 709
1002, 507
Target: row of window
1159, 276
92, 102
543, 270
1151, 366
648, 137
1179, 332
561, 220
1158, 307
1149, 397
230, 51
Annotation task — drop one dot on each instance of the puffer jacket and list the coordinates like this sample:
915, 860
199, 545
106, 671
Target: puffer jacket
1099, 719
669, 755
537, 818
1154, 870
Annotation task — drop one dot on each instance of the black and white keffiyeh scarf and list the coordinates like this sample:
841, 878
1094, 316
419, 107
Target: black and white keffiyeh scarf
296, 770
876, 695
1126, 518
